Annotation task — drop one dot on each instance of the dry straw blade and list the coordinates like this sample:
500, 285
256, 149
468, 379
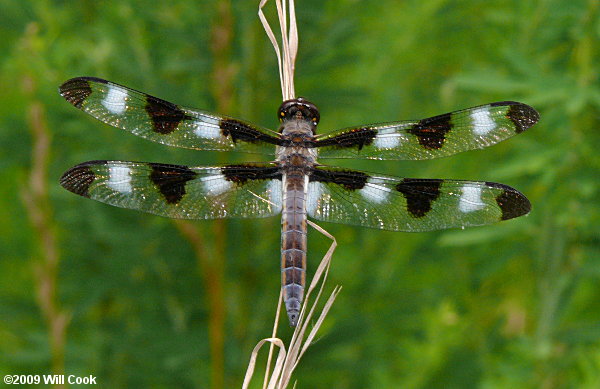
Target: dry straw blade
289, 42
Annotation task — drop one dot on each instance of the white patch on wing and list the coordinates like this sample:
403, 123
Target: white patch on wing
207, 127
216, 184
115, 100
470, 200
482, 121
119, 179
313, 198
386, 141
387, 138
375, 192
275, 189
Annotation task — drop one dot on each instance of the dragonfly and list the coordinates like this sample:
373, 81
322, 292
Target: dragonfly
294, 184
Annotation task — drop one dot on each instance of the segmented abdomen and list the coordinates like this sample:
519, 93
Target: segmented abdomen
293, 243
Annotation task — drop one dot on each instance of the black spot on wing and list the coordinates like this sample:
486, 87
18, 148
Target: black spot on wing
431, 132
358, 137
419, 194
170, 180
512, 203
77, 90
522, 115
243, 132
165, 116
79, 178
349, 179
240, 174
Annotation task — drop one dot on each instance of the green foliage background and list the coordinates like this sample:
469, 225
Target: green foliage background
515, 304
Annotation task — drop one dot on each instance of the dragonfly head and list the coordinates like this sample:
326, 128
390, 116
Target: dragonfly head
299, 109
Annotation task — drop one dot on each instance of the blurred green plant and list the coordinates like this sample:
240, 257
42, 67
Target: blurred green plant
509, 305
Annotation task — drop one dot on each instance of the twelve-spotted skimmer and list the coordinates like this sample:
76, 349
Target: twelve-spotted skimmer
295, 184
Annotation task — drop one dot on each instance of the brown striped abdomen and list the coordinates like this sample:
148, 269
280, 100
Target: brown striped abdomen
293, 243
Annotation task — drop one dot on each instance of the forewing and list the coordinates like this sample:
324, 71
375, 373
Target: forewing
438, 136
242, 191
403, 204
164, 122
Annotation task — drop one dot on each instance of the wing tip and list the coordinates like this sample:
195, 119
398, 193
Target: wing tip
512, 203
77, 90
522, 115
79, 178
